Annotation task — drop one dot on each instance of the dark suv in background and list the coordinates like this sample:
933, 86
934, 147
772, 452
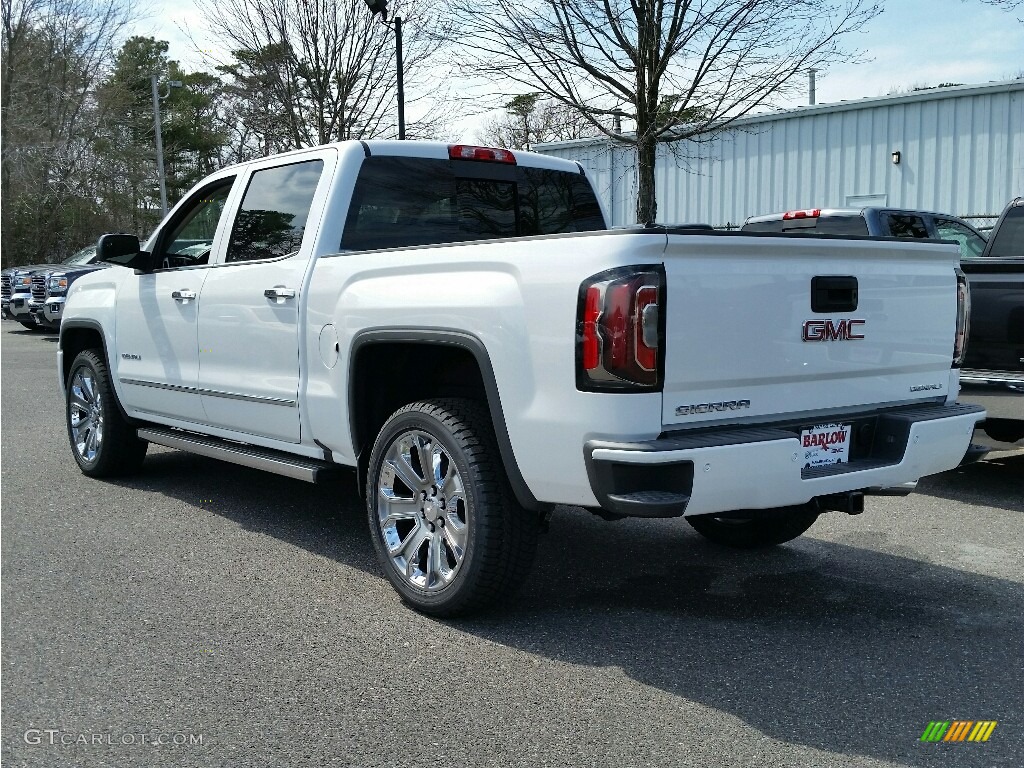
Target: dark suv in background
879, 222
993, 372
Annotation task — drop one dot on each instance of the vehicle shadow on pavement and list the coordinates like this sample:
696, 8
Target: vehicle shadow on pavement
327, 519
840, 648
998, 482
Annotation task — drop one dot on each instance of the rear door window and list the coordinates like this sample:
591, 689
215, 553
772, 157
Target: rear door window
970, 242
272, 218
401, 202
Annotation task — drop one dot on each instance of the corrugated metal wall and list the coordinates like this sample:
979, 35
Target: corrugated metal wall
961, 152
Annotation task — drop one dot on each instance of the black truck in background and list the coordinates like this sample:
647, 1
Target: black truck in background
993, 372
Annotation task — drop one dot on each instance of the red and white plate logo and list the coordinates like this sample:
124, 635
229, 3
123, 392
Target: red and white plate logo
826, 444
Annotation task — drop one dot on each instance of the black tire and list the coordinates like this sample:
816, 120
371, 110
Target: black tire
116, 449
764, 528
29, 326
500, 537
1004, 430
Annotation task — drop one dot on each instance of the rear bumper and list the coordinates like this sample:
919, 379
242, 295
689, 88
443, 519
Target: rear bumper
1000, 394
760, 468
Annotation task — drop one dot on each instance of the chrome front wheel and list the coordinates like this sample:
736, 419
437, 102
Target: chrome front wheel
103, 442
85, 414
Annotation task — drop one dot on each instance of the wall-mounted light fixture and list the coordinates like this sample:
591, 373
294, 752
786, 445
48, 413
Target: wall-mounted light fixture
896, 157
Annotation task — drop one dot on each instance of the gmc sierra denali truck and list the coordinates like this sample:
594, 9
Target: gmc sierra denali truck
457, 324
993, 374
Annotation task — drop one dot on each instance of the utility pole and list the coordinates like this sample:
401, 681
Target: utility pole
381, 7
160, 136
401, 78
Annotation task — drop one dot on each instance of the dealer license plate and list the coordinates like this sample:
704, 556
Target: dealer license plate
826, 444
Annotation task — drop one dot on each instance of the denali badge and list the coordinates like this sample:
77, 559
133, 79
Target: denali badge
130, 356
924, 387
725, 405
830, 330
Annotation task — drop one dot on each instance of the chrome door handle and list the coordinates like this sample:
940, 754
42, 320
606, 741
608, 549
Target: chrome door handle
279, 293
183, 295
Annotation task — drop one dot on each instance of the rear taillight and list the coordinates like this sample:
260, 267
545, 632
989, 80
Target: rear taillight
619, 330
963, 318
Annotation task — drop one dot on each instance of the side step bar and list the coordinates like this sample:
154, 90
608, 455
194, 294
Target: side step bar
278, 462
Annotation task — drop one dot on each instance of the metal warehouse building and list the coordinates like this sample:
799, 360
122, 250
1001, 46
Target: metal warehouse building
957, 150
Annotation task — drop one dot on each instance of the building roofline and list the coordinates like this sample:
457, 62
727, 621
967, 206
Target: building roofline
929, 94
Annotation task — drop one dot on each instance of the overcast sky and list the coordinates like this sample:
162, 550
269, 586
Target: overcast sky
914, 42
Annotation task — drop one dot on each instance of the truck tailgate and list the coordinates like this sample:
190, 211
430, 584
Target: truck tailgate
743, 342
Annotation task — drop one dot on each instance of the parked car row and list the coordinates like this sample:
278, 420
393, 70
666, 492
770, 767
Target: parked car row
34, 295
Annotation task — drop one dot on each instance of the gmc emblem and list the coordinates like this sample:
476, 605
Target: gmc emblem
830, 330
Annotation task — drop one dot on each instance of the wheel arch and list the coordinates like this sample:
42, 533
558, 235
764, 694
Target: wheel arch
451, 353
76, 336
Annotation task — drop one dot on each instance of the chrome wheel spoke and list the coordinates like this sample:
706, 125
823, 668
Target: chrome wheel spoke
79, 390
396, 508
402, 465
88, 387
440, 467
81, 432
409, 548
456, 540
438, 572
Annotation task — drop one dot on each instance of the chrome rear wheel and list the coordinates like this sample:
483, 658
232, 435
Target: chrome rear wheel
422, 510
444, 521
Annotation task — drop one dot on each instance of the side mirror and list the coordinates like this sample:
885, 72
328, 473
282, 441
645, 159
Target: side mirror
124, 250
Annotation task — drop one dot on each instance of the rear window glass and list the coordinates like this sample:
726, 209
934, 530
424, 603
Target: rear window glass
1009, 238
824, 225
906, 226
400, 201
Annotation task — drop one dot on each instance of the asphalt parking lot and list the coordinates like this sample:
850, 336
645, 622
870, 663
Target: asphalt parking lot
204, 599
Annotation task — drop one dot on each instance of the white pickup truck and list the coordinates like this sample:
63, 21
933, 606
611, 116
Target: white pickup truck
457, 325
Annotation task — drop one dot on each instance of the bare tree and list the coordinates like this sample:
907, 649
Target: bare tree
308, 72
672, 69
54, 54
530, 119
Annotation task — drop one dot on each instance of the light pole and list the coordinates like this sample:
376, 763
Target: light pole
381, 7
160, 136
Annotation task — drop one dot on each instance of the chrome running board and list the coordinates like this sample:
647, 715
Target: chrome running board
278, 462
